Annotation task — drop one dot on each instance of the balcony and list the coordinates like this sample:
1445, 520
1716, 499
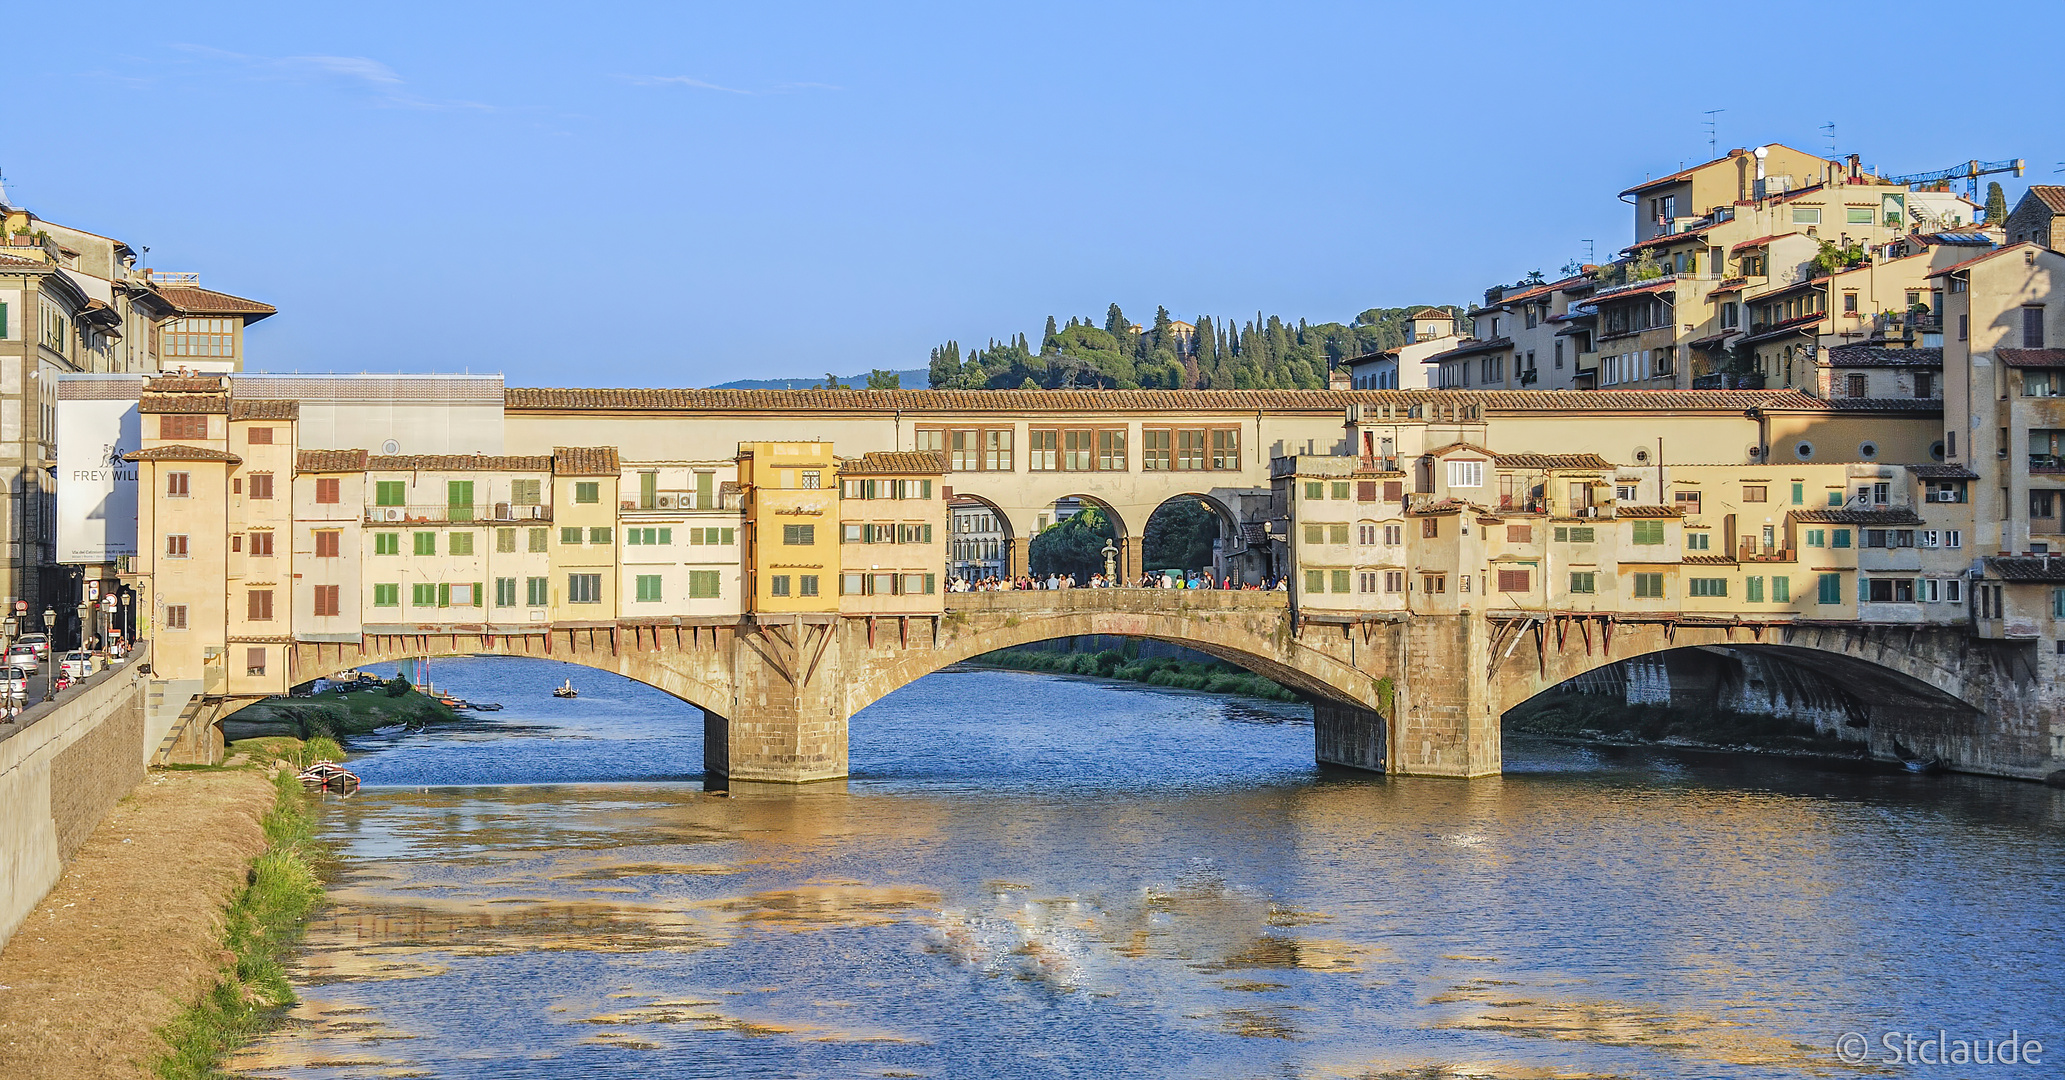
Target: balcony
1380, 463
1752, 551
2046, 463
1523, 504
446, 514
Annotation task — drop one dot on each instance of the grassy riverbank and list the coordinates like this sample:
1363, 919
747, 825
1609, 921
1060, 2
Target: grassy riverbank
262, 922
1212, 677
1608, 719
333, 715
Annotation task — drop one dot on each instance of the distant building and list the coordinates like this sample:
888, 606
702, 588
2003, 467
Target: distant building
1430, 331
975, 540
2039, 218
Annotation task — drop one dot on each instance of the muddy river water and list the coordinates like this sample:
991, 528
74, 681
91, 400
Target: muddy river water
1037, 876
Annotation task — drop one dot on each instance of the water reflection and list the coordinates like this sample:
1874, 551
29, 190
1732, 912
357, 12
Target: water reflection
1089, 879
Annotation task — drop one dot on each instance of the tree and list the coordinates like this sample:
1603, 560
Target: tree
1179, 536
831, 382
1074, 545
1115, 323
1996, 204
884, 380
1047, 341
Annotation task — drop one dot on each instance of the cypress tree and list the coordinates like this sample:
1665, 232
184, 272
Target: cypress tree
1047, 343
1996, 204
1115, 323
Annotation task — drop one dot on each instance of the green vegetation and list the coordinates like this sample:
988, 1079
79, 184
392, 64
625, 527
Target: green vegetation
1073, 545
1996, 204
1595, 716
1179, 536
1212, 677
264, 920
332, 715
1261, 353
1831, 259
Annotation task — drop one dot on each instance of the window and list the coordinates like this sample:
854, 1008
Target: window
422, 595
584, 588
1430, 527
1754, 493
1584, 581
1839, 538
505, 541
1964, 323
588, 491
178, 485
1954, 538
1154, 444
601, 534
1890, 590
261, 544
1519, 534
570, 534
525, 492
1466, 474
258, 605
1648, 533
799, 535
1394, 581
1225, 448
812, 479
1781, 590
1830, 590
2032, 326
387, 543
538, 538
1111, 449
1857, 386
261, 485
1729, 316
1315, 581
1648, 586
1806, 215
1394, 491
1394, 534
328, 600
460, 543
175, 546
1337, 534
778, 585
1190, 450
1708, 586
648, 537
1315, 489
648, 588
1339, 489
254, 661
1697, 541
1366, 581
703, 584
1043, 455
1626, 492
1688, 501
1576, 534
1513, 581
175, 616
390, 493
1857, 215
1366, 535
1339, 580
387, 596
1434, 583
536, 591
327, 542
426, 543
505, 592
172, 426
1315, 533
328, 491
1817, 537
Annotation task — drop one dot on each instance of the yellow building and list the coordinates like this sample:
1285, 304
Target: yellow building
791, 508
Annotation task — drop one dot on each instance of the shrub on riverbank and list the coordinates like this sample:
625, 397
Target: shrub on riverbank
332, 715
261, 924
1210, 677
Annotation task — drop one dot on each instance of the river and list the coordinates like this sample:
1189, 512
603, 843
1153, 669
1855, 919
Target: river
1040, 876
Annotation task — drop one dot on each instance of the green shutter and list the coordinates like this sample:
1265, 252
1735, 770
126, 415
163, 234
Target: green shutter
1831, 591
706, 488
648, 489
1753, 590
667, 537
1315, 581
1781, 590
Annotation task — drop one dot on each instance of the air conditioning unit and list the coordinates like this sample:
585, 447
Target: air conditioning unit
666, 502
392, 513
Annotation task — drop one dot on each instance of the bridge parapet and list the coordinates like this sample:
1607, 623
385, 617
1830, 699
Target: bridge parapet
1159, 601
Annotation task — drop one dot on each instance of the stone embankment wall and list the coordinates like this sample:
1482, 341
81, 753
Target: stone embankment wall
62, 766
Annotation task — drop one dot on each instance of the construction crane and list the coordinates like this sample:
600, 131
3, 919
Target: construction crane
1970, 171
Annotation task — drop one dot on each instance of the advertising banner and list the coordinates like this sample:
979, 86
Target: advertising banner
96, 489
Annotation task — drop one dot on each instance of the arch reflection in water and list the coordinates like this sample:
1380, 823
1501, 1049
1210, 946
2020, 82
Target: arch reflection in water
1033, 876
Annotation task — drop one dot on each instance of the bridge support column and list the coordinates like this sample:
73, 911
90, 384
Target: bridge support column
1020, 563
1129, 558
787, 720
1349, 736
1445, 722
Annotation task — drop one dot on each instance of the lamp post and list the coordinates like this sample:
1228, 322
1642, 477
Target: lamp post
50, 634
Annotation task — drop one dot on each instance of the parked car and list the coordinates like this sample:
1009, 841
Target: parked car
77, 665
14, 682
24, 654
40, 641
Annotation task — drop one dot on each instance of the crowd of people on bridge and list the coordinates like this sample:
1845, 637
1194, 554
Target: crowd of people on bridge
1025, 583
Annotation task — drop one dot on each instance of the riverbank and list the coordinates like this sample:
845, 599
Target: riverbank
173, 899
1212, 677
334, 715
1607, 720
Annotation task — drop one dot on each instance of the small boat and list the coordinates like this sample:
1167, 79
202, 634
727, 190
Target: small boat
1916, 763
391, 729
450, 702
484, 706
330, 776
566, 690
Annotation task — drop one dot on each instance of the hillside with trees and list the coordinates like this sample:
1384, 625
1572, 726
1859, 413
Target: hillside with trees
1219, 354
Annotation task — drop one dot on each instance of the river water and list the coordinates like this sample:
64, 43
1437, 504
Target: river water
1039, 876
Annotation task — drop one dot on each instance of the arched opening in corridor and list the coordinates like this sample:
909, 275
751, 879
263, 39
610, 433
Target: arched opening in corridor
979, 536
1196, 533
1072, 536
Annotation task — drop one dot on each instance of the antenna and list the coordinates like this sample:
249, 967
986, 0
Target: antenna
1591, 251
1829, 130
1713, 133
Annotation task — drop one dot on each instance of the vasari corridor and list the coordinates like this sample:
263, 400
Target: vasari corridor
703, 541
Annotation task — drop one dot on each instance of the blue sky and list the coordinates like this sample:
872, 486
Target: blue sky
682, 194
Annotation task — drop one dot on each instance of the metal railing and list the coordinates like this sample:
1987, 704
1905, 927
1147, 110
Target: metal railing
444, 513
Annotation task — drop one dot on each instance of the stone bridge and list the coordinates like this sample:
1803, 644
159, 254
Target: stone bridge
1418, 695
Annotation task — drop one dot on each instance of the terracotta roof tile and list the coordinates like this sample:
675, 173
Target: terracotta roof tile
1628, 292
906, 462
2050, 195
1644, 510
1889, 516
194, 300
318, 461
1955, 267
264, 409
1943, 472
185, 384
2032, 568
1709, 560
2031, 358
182, 453
1432, 313
1471, 348
585, 461
183, 403
1878, 356
1552, 461
1666, 239
462, 463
